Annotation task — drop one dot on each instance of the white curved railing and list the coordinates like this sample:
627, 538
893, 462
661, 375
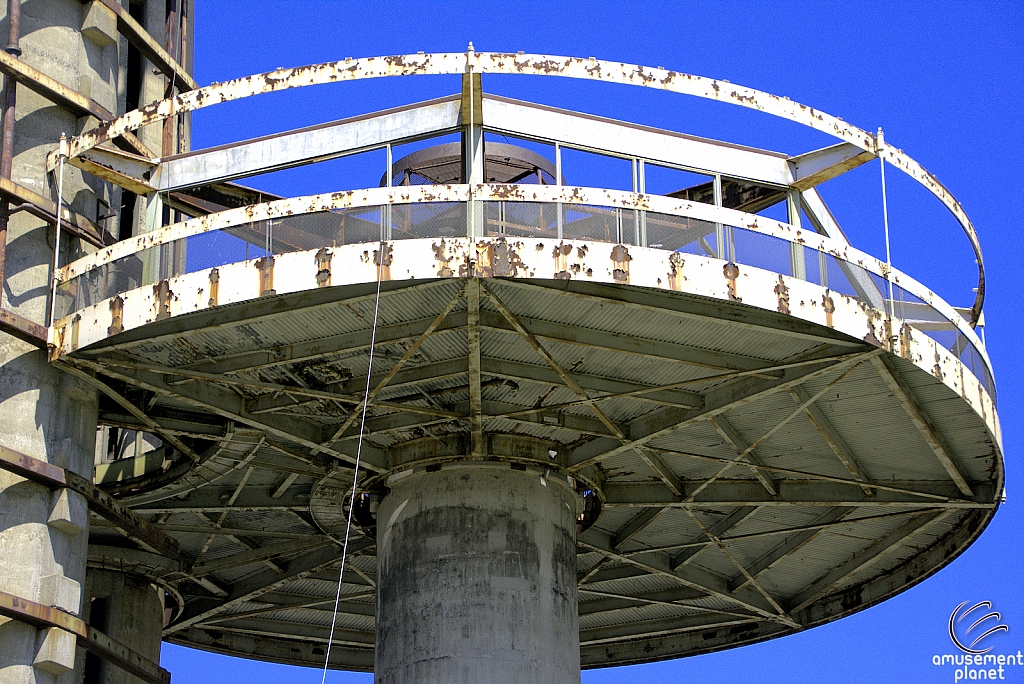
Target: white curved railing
556, 212
537, 65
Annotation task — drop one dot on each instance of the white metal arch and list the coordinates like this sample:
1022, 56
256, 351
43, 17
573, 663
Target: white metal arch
351, 69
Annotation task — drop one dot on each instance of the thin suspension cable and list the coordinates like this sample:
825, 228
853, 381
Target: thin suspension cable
355, 474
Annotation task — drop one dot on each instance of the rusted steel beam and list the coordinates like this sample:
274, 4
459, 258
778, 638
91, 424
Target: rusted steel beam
22, 328
65, 97
89, 638
72, 222
129, 171
814, 168
150, 49
127, 521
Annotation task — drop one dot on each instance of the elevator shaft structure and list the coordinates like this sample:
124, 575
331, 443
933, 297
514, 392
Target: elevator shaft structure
602, 426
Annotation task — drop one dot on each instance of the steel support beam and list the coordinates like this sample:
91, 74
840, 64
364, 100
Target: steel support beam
814, 168
22, 328
739, 393
476, 428
230, 405
126, 521
150, 49
740, 445
831, 436
823, 494
789, 546
718, 530
905, 396
89, 638
635, 526
46, 209
267, 581
657, 562
870, 555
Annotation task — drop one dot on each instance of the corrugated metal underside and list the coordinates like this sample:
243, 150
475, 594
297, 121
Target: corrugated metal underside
752, 555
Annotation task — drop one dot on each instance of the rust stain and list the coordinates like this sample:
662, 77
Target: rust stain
481, 267
162, 300
620, 263
829, 307
323, 267
560, 252
937, 368
675, 271
75, 325
731, 272
382, 258
872, 316
906, 338
444, 261
266, 269
505, 261
116, 316
214, 287
783, 293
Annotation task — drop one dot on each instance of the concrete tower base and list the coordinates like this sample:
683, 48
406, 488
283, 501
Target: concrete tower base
476, 568
130, 611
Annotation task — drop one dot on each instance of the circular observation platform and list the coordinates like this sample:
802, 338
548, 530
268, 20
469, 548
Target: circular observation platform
753, 427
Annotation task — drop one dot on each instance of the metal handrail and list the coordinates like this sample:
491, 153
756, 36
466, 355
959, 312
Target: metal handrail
566, 195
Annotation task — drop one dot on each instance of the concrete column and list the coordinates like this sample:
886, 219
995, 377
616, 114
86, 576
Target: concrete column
44, 412
43, 540
476, 577
128, 610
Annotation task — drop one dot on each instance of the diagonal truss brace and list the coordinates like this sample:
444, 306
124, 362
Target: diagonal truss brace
655, 462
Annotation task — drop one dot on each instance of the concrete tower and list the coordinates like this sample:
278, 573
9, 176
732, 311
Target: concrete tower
68, 67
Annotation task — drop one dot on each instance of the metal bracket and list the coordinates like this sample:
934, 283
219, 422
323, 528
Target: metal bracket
129, 523
89, 638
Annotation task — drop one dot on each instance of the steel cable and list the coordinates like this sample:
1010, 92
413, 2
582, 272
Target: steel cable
359, 452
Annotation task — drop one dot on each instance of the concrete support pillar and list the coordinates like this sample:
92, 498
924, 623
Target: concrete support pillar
130, 611
44, 412
43, 539
476, 571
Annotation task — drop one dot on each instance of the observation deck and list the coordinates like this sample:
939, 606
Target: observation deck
763, 428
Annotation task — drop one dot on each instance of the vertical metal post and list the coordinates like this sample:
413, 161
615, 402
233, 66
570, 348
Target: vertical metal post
638, 216
62, 154
386, 234
885, 220
643, 214
558, 182
723, 252
798, 267
9, 99
472, 113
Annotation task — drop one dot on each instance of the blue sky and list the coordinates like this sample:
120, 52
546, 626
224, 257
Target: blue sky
945, 81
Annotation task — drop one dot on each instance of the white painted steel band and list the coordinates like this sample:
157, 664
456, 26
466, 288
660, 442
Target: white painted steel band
537, 65
522, 193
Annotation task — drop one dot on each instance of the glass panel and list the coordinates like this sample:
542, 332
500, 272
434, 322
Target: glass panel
681, 234
664, 180
436, 219
762, 251
521, 219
